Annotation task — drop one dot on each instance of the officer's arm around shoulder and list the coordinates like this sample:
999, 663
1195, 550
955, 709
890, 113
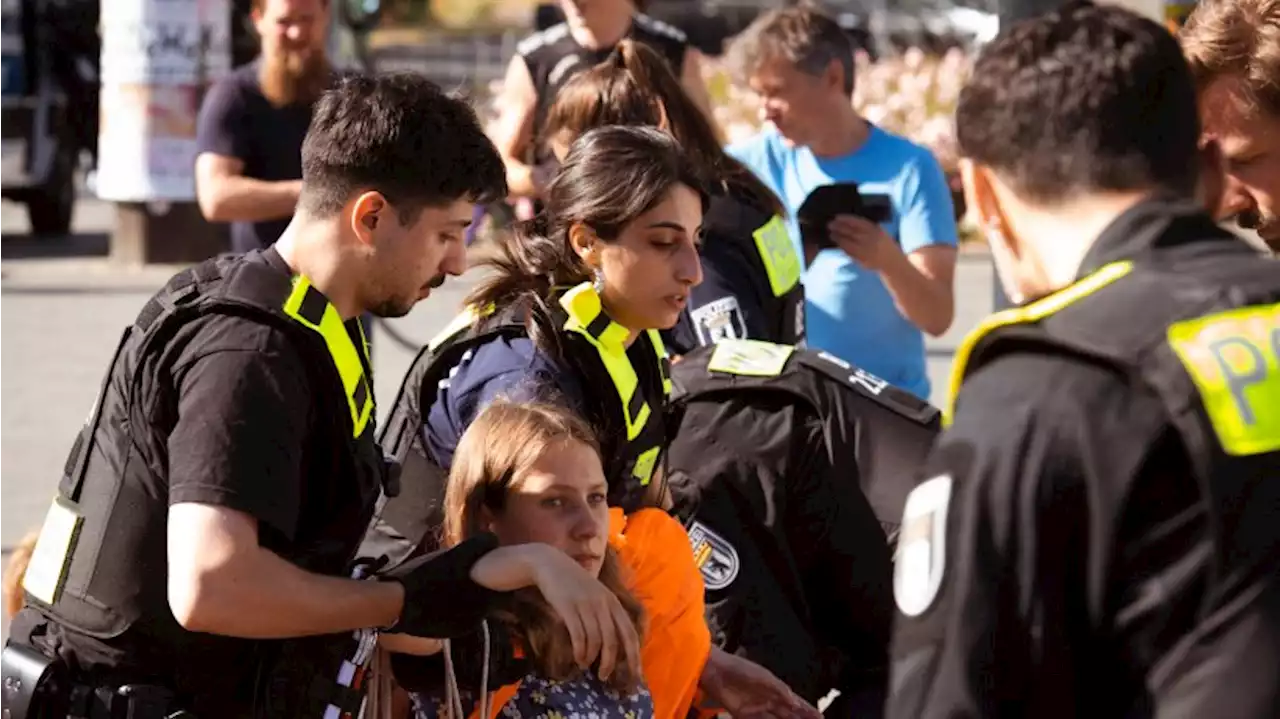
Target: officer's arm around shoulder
1002, 505
235, 459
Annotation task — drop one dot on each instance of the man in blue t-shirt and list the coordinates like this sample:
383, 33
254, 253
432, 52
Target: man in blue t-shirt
869, 300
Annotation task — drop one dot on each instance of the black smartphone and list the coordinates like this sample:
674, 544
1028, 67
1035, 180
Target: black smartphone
825, 202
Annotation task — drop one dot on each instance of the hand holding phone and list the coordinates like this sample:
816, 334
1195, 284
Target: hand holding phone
825, 203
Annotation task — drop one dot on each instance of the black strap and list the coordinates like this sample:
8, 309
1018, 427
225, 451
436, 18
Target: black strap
324, 692
78, 461
260, 285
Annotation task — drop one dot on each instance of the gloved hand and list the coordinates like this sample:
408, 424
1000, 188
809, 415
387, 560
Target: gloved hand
440, 598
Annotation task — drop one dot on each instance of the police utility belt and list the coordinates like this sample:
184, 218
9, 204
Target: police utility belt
37, 687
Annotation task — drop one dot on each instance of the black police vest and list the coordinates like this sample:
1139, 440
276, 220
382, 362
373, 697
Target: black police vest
838, 393
1199, 328
627, 410
99, 563
767, 244
553, 57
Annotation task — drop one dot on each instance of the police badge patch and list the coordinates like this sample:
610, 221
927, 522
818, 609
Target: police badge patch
921, 553
719, 320
715, 557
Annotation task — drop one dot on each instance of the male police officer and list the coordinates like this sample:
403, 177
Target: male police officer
1096, 533
217, 495
782, 462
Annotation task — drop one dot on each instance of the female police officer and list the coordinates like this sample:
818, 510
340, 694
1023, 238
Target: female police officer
573, 309
751, 286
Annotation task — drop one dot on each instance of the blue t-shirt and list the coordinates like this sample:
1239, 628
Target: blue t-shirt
508, 367
848, 310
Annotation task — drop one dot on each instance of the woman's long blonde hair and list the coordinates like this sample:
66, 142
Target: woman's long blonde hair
502, 445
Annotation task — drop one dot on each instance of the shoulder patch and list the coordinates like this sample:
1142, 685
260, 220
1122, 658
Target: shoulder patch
542, 38
753, 358
719, 320
714, 556
659, 27
922, 550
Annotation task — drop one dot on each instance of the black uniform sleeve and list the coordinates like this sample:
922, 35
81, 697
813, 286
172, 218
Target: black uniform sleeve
993, 571
243, 417
222, 126
847, 569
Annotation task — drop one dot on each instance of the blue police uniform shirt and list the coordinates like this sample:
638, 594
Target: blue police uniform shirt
504, 367
848, 310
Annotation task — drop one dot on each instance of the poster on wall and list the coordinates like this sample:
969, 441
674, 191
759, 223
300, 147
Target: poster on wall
158, 56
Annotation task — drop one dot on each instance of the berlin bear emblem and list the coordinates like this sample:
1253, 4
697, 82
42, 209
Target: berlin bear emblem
715, 557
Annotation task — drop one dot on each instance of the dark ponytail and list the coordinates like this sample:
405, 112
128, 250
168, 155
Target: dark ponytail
528, 262
635, 86
611, 176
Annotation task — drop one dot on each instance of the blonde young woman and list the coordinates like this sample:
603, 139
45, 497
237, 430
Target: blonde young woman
531, 474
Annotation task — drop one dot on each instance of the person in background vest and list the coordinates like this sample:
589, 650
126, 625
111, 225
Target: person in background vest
571, 309
1095, 533
546, 60
751, 270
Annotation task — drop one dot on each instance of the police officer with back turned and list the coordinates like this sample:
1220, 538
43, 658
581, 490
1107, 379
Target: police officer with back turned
197, 559
1095, 533
790, 468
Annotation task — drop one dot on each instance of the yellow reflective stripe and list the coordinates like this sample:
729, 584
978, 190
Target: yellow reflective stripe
583, 307
1234, 359
645, 464
1032, 312
754, 358
460, 323
781, 261
660, 351
343, 351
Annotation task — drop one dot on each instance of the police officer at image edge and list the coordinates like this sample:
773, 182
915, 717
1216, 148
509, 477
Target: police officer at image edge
198, 557
548, 59
1096, 534
790, 468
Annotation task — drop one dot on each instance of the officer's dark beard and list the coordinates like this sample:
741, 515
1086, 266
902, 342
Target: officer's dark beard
392, 307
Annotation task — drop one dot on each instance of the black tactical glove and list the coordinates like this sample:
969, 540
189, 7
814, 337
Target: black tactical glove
440, 599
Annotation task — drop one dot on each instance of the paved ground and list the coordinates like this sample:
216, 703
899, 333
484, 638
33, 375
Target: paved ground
62, 307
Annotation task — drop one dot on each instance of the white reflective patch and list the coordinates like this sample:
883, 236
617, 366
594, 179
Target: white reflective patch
715, 557
719, 320
921, 555
539, 39
567, 63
